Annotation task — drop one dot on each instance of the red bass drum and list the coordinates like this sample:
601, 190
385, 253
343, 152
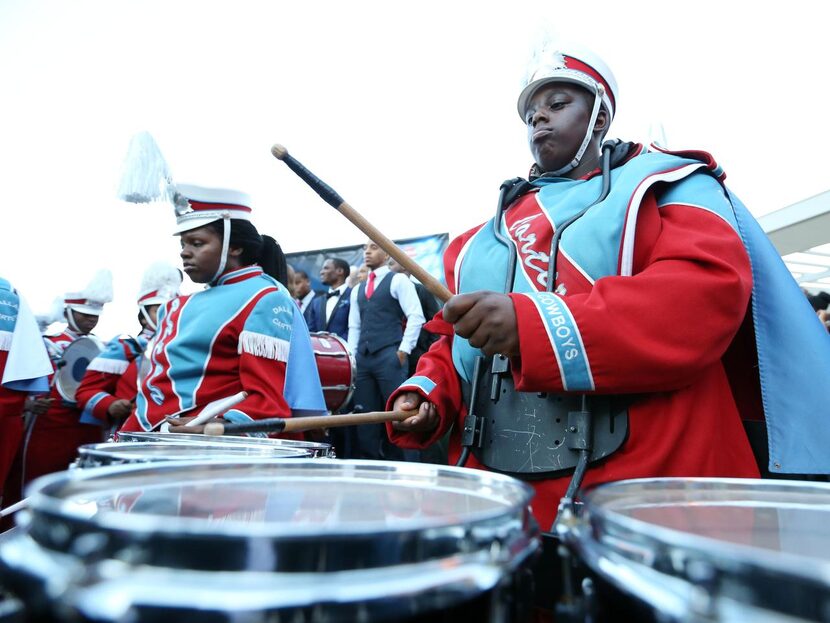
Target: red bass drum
336, 367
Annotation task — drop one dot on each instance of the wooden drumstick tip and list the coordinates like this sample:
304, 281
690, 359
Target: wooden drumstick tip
214, 429
279, 152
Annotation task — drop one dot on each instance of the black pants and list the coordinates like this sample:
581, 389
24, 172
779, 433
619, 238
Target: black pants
378, 375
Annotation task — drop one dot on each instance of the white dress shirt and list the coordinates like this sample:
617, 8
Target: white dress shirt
331, 301
401, 289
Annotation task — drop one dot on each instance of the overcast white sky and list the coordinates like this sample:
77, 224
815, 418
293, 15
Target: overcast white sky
406, 109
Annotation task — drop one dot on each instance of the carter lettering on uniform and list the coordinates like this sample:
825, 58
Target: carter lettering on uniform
562, 331
529, 255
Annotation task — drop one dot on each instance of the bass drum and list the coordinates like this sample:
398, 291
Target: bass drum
336, 367
312, 448
267, 541
103, 454
705, 550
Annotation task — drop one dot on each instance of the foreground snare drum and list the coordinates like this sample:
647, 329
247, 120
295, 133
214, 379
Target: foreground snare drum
316, 449
336, 367
103, 454
299, 540
709, 549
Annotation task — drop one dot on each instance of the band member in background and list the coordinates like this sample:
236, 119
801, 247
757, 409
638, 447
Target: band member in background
647, 303
243, 333
329, 311
107, 392
303, 292
24, 369
55, 431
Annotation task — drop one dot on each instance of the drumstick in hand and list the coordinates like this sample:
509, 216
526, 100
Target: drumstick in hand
328, 194
299, 424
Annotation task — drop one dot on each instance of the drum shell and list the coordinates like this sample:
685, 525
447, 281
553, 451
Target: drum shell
438, 572
316, 449
705, 549
336, 367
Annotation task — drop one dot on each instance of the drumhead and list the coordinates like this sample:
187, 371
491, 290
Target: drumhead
137, 452
262, 540
755, 542
316, 449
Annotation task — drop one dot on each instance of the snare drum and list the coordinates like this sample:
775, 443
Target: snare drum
336, 367
315, 449
257, 541
708, 549
101, 454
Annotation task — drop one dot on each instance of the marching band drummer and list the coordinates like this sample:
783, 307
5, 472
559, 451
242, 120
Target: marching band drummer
24, 369
55, 433
242, 333
654, 300
108, 389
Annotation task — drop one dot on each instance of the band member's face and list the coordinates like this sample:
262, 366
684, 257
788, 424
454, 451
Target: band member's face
201, 253
557, 118
86, 322
374, 256
302, 286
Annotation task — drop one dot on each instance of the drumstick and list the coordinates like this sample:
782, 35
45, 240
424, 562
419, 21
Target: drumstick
328, 194
299, 424
14, 507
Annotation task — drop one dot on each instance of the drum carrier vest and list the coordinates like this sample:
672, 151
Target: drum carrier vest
538, 435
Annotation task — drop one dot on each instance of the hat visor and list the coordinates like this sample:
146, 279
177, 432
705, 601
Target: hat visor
87, 309
195, 223
530, 90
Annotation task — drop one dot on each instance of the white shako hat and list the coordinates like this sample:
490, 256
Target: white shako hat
569, 63
196, 206
160, 283
91, 299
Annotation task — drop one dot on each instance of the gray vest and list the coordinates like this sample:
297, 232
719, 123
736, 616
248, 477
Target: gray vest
381, 317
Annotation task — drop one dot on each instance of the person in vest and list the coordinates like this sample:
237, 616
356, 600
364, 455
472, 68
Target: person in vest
108, 389
380, 308
243, 333
329, 311
24, 369
631, 277
54, 430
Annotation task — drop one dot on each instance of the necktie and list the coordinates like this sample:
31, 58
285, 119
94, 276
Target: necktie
332, 293
370, 285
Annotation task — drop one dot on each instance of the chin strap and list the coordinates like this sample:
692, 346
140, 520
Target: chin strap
598, 92
226, 243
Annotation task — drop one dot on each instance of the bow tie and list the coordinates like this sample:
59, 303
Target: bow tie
332, 293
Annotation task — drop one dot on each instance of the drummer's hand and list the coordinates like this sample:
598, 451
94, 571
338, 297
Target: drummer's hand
487, 320
403, 358
39, 405
180, 425
425, 421
120, 409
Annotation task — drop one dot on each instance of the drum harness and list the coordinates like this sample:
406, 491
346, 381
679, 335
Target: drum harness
570, 431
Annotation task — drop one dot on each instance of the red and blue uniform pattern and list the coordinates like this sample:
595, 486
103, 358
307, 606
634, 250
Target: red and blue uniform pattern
651, 290
243, 334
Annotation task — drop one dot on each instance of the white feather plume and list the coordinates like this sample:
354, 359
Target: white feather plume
52, 315
161, 276
145, 175
99, 289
